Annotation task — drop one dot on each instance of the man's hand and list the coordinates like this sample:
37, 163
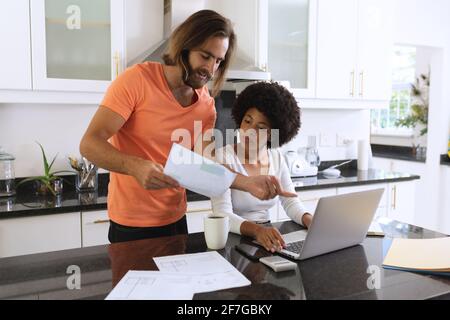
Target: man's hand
261, 187
150, 175
270, 238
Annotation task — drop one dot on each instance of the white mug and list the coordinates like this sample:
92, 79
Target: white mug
216, 231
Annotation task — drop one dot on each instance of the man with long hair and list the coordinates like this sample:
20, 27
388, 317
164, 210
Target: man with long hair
131, 133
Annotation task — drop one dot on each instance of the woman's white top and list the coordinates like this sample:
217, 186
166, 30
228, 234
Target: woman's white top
241, 206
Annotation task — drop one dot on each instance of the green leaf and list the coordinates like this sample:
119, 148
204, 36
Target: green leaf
51, 164
46, 166
63, 171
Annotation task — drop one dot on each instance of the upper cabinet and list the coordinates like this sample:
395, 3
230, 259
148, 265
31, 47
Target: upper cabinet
69, 51
291, 49
274, 36
78, 45
249, 20
331, 53
354, 47
15, 57
375, 49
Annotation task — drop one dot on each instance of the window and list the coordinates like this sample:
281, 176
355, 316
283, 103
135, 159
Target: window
404, 74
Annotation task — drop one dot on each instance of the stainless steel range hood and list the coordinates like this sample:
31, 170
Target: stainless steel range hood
175, 12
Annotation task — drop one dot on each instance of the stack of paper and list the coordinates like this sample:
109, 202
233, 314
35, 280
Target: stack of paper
419, 255
179, 278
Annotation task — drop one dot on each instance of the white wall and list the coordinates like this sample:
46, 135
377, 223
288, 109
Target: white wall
351, 124
425, 23
58, 128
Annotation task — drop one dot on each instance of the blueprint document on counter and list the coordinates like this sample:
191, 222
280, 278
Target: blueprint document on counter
197, 173
179, 278
209, 269
152, 285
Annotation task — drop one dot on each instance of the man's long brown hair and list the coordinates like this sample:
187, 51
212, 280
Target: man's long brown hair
193, 33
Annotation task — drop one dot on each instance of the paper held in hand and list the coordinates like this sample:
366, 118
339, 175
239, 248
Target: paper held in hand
197, 173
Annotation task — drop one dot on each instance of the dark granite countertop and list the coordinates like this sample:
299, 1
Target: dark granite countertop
26, 203
352, 177
445, 160
398, 153
339, 275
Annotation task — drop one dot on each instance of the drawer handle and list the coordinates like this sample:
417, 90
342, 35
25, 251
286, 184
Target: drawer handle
101, 221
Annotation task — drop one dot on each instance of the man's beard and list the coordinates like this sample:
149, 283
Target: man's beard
195, 79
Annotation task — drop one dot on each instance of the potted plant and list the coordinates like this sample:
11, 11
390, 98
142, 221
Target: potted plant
49, 181
418, 118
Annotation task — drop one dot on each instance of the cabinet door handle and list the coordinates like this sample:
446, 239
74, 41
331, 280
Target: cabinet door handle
352, 83
361, 87
117, 62
394, 197
101, 221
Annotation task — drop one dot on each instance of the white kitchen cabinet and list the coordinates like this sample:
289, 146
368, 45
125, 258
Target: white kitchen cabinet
382, 210
15, 56
310, 199
77, 45
401, 202
354, 50
28, 235
375, 47
94, 228
292, 44
196, 211
249, 20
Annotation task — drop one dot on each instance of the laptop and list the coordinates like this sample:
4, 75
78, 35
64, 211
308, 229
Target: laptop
339, 222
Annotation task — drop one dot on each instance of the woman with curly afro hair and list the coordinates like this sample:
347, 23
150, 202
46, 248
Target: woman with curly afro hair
267, 116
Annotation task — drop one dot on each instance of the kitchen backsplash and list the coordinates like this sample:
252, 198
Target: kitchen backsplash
59, 129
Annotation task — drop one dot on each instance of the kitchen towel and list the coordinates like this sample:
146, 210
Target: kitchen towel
363, 155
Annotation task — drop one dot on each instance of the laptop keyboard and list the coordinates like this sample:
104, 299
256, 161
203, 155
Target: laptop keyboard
295, 247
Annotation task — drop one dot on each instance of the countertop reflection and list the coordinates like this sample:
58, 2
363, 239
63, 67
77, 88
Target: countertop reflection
343, 274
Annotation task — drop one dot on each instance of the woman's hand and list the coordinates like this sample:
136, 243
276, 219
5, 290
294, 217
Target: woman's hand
307, 220
270, 238
261, 187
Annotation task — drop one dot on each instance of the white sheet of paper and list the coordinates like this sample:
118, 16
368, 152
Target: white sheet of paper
197, 173
211, 270
153, 285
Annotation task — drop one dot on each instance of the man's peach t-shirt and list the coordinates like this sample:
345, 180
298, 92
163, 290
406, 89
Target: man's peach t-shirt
142, 97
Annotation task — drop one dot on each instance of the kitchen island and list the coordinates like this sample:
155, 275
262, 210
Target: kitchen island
80, 220
343, 274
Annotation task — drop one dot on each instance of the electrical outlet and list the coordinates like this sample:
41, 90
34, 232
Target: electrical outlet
326, 140
341, 140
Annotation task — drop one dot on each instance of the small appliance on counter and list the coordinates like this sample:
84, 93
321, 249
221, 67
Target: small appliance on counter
7, 175
304, 164
298, 166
